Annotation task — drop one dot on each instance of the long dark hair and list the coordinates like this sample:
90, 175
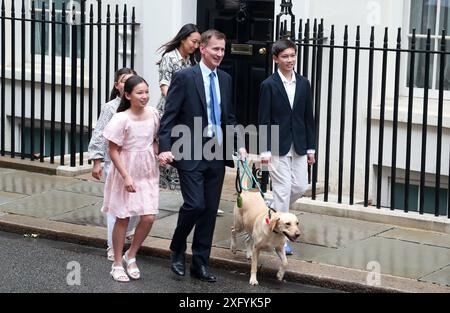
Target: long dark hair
123, 71
132, 82
184, 32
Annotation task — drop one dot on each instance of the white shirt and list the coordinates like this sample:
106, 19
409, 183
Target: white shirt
205, 73
289, 86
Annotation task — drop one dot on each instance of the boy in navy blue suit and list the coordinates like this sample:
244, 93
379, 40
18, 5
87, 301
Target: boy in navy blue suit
285, 101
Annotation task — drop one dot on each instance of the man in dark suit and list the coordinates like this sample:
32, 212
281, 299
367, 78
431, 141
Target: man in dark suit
198, 109
285, 102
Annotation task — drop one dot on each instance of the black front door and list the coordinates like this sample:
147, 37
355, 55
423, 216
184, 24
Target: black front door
248, 26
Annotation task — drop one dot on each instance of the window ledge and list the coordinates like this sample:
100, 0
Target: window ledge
48, 76
417, 111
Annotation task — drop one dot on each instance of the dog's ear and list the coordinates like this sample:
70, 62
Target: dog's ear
273, 223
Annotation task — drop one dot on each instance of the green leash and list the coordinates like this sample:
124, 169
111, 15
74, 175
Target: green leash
240, 179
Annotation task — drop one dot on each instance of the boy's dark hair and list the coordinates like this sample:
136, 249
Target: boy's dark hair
281, 45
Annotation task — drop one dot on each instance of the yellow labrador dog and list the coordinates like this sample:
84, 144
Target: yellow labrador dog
265, 233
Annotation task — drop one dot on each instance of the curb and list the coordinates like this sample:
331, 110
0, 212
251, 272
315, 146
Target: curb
322, 275
44, 167
29, 166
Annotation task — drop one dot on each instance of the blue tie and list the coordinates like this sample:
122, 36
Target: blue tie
215, 108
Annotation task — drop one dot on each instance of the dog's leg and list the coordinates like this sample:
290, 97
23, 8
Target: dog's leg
255, 255
249, 247
282, 255
233, 240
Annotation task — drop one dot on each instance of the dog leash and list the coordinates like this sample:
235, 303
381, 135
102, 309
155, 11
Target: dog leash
239, 184
247, 172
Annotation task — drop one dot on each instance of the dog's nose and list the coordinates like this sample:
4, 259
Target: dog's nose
297, 234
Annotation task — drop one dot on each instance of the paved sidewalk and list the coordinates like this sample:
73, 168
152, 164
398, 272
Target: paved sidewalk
334, 252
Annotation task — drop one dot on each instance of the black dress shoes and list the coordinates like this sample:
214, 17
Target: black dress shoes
178, 263
201, 272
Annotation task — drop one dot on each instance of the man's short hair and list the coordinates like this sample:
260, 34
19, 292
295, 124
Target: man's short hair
207, 35
281, 45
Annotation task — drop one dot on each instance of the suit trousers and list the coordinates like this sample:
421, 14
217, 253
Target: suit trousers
201, 189
289, 175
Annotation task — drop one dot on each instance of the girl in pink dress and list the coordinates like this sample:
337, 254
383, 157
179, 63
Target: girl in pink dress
132, 186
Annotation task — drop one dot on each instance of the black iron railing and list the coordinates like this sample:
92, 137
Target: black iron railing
317, 62
67, 41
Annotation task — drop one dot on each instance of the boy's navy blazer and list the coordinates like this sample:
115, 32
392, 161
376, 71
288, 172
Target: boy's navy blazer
296, 125
185, 101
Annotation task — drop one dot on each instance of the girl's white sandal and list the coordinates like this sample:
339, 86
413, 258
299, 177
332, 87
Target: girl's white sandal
118, 274
134, 273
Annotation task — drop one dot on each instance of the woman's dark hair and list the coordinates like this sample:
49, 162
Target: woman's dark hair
184, 32
123, 71
132, 82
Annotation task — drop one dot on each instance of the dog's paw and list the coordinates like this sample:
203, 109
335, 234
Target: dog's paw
233, 249
253, 282
248, 255
280, 276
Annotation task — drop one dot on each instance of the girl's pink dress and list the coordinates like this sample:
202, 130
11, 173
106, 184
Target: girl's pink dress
137, 140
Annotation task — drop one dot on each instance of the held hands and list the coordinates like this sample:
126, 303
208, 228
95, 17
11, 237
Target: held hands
165, 158
129, 184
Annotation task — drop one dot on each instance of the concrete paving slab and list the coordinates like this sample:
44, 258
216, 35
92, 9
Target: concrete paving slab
49, 204
223, 226
240, 243
307, 252
89, 215
92, 216
164, 214
31, 183
165, 226
6, 197
88, 177
335, 232
170, 200
85, 187
419, 236
5, 170
395, 257
227, 206
441, 277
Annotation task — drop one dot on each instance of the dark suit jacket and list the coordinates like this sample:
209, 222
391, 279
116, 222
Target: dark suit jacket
185, 101
295, 125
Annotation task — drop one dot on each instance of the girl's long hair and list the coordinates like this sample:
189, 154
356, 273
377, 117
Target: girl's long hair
183, 33
123, 71
132, 82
